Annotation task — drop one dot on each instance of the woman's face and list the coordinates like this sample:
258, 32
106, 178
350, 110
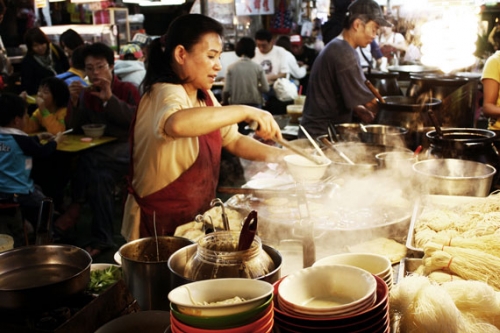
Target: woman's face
39, 49
202, 63
45, 94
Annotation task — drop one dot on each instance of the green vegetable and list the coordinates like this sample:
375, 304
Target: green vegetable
102, 279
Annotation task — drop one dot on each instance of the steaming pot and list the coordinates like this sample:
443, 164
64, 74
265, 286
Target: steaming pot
409, 113
217, 257
386, 83
472, 144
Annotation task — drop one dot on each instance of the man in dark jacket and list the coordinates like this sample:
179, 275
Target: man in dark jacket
106, 101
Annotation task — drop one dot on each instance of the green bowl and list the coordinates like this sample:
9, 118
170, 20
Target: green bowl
222, 322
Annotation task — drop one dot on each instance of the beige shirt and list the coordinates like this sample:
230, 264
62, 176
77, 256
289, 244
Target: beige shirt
158, 158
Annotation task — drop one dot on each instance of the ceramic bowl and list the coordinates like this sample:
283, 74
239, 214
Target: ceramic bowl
100, 267
336, 288
303, 170
220, 322
205, 298
373, 263
94, 130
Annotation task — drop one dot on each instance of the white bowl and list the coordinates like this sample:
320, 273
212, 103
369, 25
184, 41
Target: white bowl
303, 170
373, 263
189, 298
328, 289
94, 130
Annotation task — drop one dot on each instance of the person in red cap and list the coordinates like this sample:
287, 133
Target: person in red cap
337, 89
304, 56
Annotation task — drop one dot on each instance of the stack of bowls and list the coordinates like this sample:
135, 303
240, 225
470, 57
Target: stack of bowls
375, 264
331, 298
233, 305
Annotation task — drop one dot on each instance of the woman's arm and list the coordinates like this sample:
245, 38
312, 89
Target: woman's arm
202, 120
251, 149
490, 97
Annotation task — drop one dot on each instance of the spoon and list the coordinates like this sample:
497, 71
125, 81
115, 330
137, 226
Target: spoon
248, 231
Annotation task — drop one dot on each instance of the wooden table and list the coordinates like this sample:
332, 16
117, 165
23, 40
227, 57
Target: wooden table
72, 143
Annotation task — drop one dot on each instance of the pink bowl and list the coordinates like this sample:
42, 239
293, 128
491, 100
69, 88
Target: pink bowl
342, 322
261, 325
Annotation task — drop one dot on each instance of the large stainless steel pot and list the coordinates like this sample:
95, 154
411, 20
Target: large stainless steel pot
362, 154
178, 261
473, 144
375, 133
454, 177
457, 93
42, 275
148, 278
386, 83
409, 113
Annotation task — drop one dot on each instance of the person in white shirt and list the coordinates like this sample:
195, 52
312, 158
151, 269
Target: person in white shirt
273, 59
392, 44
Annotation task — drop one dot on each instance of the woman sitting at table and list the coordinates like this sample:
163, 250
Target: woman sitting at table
44, 59
180, 129
52, 100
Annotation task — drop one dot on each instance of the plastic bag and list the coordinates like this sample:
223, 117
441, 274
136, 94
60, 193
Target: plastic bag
285, 89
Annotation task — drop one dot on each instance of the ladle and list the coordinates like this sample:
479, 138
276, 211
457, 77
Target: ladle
435, 123
315, 145
374, 91
248, 231
335, 149
332, 132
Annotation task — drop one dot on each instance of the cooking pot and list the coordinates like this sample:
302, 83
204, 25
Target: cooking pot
362, 154
178, 261
386, 83
42, 275
409, 113
472, 144
454, 177
375, 133
457, 93
406, 70
148, 278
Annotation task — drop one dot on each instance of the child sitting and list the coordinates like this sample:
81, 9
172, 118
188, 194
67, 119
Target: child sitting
16, 152
52, 99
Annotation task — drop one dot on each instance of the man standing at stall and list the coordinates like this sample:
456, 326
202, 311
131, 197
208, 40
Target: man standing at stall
337, 83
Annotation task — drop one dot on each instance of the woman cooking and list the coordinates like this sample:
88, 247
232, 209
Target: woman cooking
178, 133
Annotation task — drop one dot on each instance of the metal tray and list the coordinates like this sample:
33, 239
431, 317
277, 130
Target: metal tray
432, 201
406, 267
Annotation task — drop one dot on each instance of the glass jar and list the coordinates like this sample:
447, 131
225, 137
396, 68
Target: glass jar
217, 257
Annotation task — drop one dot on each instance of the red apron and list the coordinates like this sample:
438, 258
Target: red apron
189, 195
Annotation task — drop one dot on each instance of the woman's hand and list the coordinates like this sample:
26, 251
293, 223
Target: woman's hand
266, 126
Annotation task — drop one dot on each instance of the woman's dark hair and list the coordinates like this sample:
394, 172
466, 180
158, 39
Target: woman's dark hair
99, 50
59, 90
35, 35
186, 30
246, 47
284, 42
71, 39
11, 106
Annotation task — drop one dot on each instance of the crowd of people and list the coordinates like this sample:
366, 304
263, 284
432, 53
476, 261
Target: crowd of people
157, 101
